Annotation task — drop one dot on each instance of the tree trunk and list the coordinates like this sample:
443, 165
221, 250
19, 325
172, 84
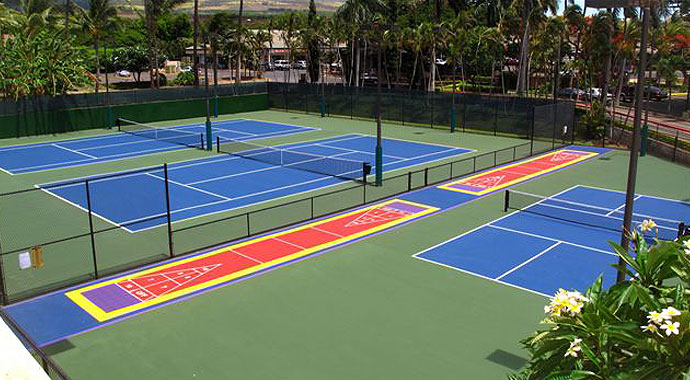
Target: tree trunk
432, 72
149, 26
357, 62
522, 81
414, 69
238, 79
195, 54
98, 66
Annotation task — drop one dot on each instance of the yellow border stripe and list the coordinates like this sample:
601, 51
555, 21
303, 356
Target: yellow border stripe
585, 156
100, 315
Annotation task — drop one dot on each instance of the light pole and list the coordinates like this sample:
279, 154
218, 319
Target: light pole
209, 131
645, 6
379, 29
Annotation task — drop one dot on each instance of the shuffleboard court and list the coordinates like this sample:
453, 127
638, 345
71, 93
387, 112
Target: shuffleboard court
28, 158
508, 175
200, 187
62, 314
555, 242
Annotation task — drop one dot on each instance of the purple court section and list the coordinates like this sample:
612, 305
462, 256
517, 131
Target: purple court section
406, 207
110, 297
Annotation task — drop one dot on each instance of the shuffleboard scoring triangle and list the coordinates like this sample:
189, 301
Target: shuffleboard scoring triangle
378, 214
486, 181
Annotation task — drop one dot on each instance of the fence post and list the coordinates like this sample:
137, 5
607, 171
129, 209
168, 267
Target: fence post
249, 229
167, 209
514, 152
496, 116
91, 234
3, 291
312, 207
364, 192
464, 111
409, 181
675, 147
555, 125
402, 108
531, 139
506, 201
426, 177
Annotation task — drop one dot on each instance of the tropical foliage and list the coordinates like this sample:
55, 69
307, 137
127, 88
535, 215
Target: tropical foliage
637, 329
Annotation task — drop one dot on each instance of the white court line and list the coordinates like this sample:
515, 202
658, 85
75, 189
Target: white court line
509, 271
621, 206
610, 217
287, 242
484, 277
551, 239
418, 254
129, 155
646, 196
73, 151
246, 257
63, 165
189, 187
260, 193
326, 232
83, 209
273, 167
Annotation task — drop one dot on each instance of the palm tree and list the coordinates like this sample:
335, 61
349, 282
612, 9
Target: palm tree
99, 18
533, 13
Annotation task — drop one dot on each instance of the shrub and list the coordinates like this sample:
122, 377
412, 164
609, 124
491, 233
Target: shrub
185, 78
637, 329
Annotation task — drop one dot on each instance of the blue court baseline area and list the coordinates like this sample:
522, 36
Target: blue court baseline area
541, 249
200, 187
28, 158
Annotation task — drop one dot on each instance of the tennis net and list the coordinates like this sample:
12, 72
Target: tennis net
585, 214
332, 166
168, 135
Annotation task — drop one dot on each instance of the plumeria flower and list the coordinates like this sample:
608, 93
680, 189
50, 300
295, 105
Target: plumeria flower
656, 317
647, 225
574, 348
670, 327
650, 328
670, 312
687, 251
686, 244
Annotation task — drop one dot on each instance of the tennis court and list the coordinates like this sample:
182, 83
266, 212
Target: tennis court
250, 175
554, 242
142, 140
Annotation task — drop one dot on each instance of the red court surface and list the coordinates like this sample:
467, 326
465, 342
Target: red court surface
508, 175
136, 291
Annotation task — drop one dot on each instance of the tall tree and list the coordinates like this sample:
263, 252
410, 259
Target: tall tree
238, 77
313, 40
100, 17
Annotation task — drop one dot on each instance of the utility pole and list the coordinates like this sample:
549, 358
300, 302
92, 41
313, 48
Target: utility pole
635, 148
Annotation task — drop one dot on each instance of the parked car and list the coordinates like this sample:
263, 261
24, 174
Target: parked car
653, 92
281, 64
571, 93
369, 78
594, 93
186, 69
300, 65
123, 73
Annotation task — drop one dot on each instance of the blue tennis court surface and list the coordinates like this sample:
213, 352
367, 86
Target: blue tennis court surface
28, 158
556, 242
210, 185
